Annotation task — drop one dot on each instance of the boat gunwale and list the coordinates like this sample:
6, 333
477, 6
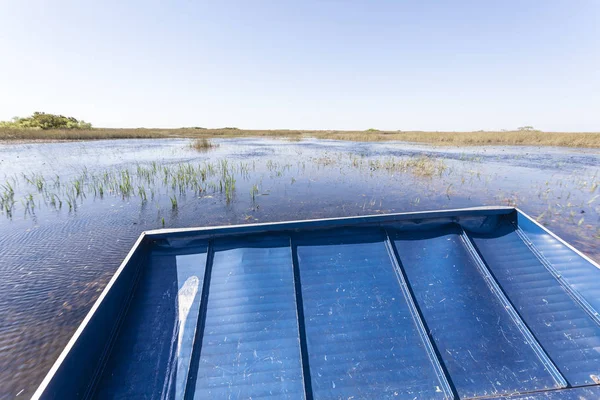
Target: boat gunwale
82, 326
337, 222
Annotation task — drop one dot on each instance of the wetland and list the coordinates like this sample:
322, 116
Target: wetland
70, 211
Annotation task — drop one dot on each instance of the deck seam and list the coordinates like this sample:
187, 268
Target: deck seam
304, 359
430, 347
192, 377
496, 288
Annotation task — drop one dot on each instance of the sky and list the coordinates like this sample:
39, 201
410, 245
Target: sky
396, 65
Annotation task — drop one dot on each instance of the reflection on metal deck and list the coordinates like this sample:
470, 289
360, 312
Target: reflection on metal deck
463, 304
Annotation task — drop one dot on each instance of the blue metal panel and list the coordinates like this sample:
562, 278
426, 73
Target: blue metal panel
578, 273
567, 333
484, 351
251, 345
581, 393
361, 336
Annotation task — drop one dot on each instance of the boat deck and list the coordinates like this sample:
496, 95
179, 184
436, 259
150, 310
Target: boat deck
455, 304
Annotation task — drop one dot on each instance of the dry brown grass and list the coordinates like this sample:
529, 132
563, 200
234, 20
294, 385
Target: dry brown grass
202, 144
80, 134
421, 166
531, 138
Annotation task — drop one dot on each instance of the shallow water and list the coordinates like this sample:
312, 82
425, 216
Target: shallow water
56, 258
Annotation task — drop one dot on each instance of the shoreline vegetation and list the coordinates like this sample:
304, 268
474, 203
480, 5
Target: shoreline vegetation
41, 126
477, 138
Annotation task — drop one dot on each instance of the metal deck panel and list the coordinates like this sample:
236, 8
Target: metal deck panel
578, 272
564, 329
361, 335
483, 349
251, 345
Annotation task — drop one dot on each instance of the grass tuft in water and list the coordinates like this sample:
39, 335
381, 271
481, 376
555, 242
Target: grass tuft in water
253, 192
203, 144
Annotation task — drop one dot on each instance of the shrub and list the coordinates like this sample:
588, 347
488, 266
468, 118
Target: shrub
41, 120
526, 129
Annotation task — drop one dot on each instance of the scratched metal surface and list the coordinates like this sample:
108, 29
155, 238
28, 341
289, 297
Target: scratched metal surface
361, 335
466, 307
251, 346
485, 351
568, 333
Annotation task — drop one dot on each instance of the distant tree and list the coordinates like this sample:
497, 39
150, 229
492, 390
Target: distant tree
41, 120
526, 128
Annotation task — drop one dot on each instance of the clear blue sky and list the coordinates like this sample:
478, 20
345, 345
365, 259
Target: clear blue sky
430, 65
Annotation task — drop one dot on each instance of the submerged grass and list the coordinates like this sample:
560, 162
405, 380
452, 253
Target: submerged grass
479, 138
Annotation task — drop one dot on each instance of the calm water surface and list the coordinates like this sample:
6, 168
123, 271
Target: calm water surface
72, 211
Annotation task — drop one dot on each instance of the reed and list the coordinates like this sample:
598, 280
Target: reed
202, 144
439, 138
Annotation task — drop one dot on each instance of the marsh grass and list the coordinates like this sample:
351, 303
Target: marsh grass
479, 138
419, 166
144, 181
253, 193
203, 144
170, 181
